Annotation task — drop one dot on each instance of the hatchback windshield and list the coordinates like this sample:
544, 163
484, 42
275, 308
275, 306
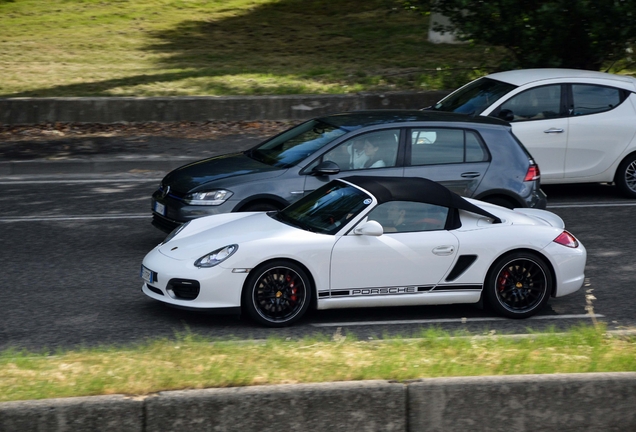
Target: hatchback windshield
475, 97
294, 145
327, 209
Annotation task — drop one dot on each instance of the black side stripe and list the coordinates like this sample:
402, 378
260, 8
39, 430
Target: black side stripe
388, 291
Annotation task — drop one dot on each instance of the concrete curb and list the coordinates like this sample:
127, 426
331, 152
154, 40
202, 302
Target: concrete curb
14, 111
517, 403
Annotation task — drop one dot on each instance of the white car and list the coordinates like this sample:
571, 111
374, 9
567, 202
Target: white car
580, 126
365, 242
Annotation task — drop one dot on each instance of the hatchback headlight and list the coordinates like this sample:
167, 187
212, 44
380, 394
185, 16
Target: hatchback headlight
216, 257
215, 197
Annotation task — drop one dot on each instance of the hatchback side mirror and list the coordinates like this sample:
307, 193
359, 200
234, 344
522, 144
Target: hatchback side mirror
326, 168
506, 114
369, 228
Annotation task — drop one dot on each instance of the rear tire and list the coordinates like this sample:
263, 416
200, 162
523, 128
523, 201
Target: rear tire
518, 285
625, 178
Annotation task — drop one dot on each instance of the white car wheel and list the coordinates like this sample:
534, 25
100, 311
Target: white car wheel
277, 294
625, 177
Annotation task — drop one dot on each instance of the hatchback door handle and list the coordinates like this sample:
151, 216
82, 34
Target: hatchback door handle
444, 250
553, 130
471, 174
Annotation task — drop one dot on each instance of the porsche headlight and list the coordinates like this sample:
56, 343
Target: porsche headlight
174, 232
215, 197
216, 257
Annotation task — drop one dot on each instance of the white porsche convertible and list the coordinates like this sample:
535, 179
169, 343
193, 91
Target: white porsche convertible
365, 242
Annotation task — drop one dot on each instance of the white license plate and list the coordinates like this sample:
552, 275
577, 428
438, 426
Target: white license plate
160, 208
146, 274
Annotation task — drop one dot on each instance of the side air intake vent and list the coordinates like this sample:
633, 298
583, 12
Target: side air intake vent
463, 262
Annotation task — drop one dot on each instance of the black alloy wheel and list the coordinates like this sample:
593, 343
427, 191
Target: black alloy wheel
277, 294
518, 285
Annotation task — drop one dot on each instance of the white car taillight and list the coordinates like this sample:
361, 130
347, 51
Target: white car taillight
567, 239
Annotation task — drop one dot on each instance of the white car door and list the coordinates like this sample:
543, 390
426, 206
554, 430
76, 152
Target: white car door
407, 259
414, 251
600, 129
540, 122
546, 140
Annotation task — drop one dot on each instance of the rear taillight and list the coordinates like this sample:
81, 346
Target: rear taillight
567, 239
533, 172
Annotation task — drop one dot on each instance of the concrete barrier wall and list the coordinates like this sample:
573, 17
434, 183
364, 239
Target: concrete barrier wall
14, 111
523, 403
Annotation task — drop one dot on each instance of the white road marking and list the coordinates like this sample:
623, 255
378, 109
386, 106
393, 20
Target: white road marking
582, 205
74, 218
81, 181
449, 320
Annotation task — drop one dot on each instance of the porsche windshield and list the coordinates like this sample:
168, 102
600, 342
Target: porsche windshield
475, 97
294, 145
327, 209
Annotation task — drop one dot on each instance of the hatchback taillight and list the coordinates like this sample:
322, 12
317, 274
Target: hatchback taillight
567, 239
533, 172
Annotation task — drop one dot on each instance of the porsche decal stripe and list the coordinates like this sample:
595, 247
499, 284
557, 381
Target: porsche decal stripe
407, 290
475, 287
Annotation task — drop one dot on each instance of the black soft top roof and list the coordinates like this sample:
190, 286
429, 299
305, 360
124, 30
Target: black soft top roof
416, 189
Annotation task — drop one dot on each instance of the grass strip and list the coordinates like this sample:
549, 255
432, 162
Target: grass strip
55, 48
193, 362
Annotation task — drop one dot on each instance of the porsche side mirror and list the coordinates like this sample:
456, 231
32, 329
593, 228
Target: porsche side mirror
506, 114
326, 168
369, 228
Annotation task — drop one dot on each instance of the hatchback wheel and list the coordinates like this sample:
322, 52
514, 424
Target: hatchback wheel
625, 178
518, 285
277, 294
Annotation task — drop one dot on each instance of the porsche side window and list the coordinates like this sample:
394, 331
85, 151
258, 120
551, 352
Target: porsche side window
407, 216
590, 99
535, 104
372, 150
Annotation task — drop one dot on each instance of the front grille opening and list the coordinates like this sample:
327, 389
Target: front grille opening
183, 289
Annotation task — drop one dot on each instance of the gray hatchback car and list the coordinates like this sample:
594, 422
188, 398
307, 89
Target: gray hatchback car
476, 157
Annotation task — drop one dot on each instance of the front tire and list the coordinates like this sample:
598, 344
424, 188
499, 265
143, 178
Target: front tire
518, 285
625, 177
277, 294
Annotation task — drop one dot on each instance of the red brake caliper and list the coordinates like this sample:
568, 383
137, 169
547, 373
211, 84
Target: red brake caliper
294, 290
503, 278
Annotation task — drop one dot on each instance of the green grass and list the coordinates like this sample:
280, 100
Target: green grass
224, 47
190, 361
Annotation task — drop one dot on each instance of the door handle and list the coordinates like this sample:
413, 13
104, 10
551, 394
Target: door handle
553, 130
470, 174
444, 250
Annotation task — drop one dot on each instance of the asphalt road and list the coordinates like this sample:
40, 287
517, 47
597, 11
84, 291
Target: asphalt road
71, 251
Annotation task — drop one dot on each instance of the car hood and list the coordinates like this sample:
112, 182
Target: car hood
191, 176
206, 234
